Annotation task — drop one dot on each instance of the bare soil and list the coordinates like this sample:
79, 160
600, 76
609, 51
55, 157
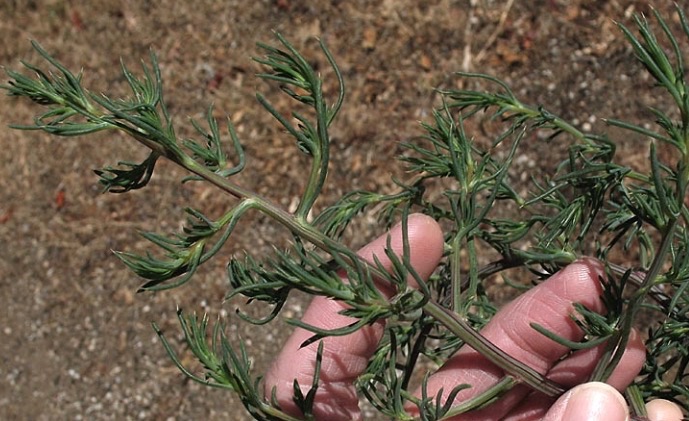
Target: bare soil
76, 338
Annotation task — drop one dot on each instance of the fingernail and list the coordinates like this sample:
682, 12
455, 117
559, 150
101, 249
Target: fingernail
594, 401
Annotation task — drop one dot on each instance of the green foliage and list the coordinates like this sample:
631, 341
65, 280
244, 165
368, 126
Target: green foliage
589, 204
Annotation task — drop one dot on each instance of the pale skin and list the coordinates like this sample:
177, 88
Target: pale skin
549, 304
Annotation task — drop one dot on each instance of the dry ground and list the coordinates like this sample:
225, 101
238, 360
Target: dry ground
76, 339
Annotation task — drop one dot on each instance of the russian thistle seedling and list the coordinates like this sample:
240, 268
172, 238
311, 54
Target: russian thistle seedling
589, 204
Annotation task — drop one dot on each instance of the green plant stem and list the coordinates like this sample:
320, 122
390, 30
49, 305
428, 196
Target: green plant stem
456, 270
473, 267
452, 321
320, 158
510, 365
618, 343
488, 396
636, 401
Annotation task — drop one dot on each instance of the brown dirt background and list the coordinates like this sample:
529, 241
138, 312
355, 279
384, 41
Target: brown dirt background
76, 339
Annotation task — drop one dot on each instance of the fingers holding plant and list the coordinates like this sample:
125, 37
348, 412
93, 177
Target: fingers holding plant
550, 304
346, 357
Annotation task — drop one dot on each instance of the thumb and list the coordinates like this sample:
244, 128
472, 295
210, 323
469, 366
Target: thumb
589, 402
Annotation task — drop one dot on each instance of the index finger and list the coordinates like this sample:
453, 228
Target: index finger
345, 357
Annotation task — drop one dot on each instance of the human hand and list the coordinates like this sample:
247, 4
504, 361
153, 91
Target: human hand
549, 304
